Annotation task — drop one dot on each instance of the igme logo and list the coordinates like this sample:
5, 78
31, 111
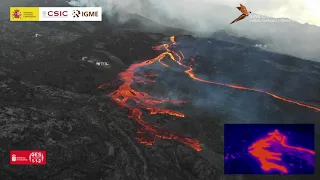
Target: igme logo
78, 13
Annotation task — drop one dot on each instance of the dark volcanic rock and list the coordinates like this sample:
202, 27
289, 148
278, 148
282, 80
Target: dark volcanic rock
49, 100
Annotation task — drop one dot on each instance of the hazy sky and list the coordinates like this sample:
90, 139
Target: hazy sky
203, 17
303, 11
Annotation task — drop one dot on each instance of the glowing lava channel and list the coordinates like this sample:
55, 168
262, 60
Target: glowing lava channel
268, 158
144, 101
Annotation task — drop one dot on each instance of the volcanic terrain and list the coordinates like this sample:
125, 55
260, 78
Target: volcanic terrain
156, 113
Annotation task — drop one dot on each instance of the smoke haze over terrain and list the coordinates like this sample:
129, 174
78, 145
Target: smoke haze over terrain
309, 10
205, 17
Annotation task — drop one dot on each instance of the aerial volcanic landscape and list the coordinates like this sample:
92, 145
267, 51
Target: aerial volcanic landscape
159, 110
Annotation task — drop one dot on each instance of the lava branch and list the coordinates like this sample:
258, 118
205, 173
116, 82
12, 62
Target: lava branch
192, 75
144, 101
270, 160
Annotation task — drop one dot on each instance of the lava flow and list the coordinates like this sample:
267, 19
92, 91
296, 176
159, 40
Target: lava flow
143, 101
261, 150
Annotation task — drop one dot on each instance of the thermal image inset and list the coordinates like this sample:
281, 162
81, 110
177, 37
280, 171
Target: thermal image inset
273, 149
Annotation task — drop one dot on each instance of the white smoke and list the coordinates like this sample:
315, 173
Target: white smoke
208, 16
261, 45
111, 7
199, 16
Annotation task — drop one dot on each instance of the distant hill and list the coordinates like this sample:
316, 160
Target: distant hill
138, 22
289, 37
224, 35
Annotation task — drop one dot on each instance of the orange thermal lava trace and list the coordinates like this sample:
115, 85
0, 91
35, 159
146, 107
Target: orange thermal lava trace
267, 158
144, 101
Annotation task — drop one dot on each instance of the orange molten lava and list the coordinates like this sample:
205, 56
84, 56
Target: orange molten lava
267, 158
143, 101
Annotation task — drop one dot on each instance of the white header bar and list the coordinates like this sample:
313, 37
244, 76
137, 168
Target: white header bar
70, 14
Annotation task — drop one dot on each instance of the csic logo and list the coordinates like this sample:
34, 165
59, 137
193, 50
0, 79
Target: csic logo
55, 13
77, 13
16, 14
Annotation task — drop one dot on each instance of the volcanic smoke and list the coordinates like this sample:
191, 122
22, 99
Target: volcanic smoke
143, 101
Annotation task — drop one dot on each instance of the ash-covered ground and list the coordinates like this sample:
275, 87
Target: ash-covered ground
50, 101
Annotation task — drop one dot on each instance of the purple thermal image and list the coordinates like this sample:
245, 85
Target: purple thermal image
271, 149
268, 151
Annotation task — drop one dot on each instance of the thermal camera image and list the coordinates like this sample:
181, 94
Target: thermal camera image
269, 149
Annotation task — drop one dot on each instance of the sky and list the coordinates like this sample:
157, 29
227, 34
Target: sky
204, 17
303, 11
